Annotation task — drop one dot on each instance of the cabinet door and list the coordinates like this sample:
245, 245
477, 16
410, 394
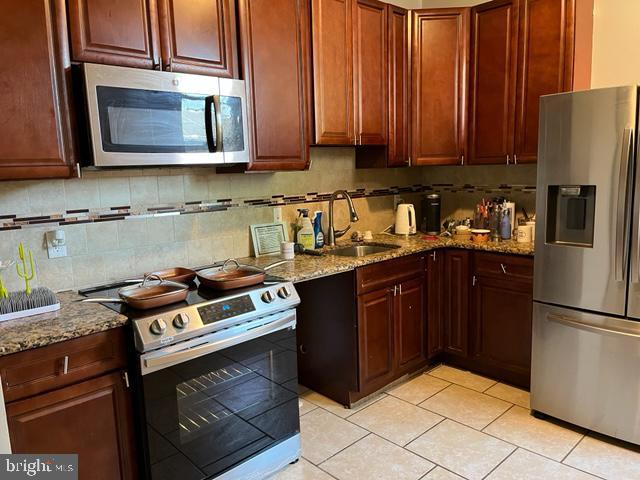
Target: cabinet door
545, 65
456, 295
502, 314
332, 71
410, 323
92, 418
435, 302
375, 338
398, 141
439, 82
275, 46
199, 36
115, 32
371, 107
36, 139
494, 33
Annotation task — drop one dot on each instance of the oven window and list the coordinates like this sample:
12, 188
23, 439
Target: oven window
150, 121
207, 415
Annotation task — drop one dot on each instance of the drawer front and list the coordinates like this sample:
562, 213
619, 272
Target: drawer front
42, 369
503, 266
383, 274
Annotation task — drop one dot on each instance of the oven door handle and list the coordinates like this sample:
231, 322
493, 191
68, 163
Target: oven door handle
161, 359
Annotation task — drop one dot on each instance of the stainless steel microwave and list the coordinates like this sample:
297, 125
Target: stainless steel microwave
148, 118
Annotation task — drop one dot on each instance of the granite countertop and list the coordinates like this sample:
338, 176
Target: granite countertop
79, 319
307, 267
73, 320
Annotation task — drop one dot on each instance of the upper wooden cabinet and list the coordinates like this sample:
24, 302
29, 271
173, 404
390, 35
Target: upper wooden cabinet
350, 72
189, 36
494, 34
370, 72
274, 36
439, 79
36, 120
115, 32
332, 71
521, 50
545, 65
198, 36
399, 109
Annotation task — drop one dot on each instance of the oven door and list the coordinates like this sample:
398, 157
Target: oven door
215, 403
144, 118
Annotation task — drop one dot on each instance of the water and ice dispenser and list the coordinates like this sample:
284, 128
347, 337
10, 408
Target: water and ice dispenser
570, 215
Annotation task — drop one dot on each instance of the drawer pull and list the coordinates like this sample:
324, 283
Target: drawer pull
65, 367
504, 269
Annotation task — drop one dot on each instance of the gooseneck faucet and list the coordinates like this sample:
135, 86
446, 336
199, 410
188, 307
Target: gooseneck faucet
333, 234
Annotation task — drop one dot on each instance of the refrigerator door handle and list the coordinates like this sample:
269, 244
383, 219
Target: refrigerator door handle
577, 323
622, 210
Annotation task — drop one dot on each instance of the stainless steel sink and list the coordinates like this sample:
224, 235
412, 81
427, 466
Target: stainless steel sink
362, 250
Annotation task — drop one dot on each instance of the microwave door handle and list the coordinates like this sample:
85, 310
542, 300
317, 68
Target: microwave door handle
211, 123
622, 207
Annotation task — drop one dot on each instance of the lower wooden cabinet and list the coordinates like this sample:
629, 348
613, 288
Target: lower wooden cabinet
456, 302
435, 302
410, 324
501, 316
73, 397
376, 318
92, 418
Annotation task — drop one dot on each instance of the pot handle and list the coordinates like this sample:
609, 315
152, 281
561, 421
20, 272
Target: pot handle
230, 261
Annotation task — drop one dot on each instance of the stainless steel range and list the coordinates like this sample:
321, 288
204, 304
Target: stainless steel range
217, 383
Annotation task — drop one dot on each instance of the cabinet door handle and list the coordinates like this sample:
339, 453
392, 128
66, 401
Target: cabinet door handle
515, 159
461, 159
433, 255
508, 159
474, 281
125, 377
504, 269
400, 288
65, 365
395, 290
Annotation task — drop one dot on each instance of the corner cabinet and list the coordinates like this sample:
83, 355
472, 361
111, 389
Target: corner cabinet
521, 50
350, 72
439, 78
37, 118
77, 392
274, 36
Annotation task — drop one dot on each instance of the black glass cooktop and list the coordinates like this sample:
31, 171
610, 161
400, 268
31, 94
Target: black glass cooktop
197, 294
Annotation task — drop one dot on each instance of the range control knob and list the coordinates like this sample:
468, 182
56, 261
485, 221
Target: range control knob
284, 292
181, 320
158, 326
267, 296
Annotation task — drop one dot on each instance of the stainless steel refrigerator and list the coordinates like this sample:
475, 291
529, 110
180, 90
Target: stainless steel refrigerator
586, 315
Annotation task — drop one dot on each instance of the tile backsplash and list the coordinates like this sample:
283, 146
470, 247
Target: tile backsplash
122, 223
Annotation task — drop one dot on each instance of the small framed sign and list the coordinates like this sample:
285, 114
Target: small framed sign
267, 238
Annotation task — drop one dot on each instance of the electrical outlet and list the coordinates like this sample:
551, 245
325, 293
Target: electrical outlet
56, 243
277, 214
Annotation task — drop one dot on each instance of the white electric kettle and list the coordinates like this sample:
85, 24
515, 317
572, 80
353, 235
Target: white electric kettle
405, 219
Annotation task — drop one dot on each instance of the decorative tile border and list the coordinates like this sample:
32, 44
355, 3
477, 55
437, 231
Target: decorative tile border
78, 216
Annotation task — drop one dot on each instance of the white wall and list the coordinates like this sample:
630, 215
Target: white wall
616, 35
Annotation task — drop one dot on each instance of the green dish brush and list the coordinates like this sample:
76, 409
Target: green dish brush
21, 304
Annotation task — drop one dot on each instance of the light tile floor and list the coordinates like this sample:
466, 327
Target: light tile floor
448, 424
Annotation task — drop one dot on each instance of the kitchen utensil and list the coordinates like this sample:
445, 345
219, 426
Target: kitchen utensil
153, 292
26, 274
405, 219
480, 235
176, 274
234, 275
